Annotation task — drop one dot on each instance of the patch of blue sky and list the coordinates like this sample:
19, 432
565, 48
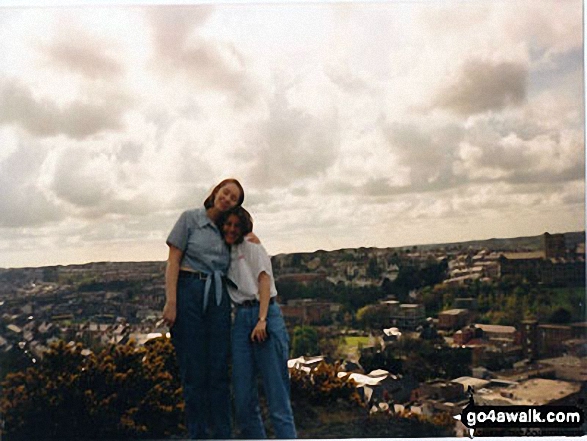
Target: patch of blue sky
560, 67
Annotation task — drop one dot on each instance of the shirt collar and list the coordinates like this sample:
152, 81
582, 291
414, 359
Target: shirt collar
203, 219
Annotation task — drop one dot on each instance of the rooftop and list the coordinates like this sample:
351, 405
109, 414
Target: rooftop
567, 361
536, 392
524, 255
410, 305
495, 328
454, 311
553, 326
475, 383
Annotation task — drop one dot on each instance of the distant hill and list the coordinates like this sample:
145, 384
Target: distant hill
525, 243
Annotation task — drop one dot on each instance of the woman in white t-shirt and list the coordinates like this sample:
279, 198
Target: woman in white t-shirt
260, 343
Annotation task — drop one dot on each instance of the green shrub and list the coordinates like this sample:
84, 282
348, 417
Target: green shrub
124, 391
323, 386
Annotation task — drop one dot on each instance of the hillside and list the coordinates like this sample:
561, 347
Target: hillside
526, 243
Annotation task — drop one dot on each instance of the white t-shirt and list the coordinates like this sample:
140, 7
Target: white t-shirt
247, 261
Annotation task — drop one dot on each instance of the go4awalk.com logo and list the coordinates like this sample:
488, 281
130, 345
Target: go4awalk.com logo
522, 420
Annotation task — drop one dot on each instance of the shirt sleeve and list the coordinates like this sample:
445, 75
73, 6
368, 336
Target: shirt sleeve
258, 259
180, 233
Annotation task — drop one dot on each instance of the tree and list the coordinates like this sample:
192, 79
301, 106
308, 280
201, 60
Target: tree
330, 345
560, 316
373, 269
432, 298
421, 359
14, 360
371, 360
305, 341
374, 316
387, 286
50, 274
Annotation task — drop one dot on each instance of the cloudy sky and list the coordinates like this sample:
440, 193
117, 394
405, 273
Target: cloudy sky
375, 124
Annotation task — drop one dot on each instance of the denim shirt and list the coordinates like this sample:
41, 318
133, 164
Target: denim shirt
203, 248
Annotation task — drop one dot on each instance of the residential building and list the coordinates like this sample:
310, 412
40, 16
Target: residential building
552, 340
453, 318
408, 315
552, 266
309, 311
499, 333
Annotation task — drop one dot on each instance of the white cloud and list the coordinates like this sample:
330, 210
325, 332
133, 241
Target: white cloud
80, 54
290, 145
43, 117
371, 124
180, 49
23, 201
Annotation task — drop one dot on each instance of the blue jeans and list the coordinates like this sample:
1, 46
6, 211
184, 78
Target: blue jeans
269, 359
202, 344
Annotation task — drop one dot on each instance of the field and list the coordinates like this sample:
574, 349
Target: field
351, 346
355, 341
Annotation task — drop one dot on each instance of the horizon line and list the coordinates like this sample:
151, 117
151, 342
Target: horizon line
438, 244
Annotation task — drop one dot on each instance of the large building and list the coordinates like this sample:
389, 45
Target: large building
550, 340
408, 316
405, 315
453, 318
554, 246
554, 265
526, 264
309, 311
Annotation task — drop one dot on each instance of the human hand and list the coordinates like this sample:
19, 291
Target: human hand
259, 334
169, 313
252, 237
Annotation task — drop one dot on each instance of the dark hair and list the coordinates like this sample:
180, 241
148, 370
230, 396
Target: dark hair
209, 202
244, 218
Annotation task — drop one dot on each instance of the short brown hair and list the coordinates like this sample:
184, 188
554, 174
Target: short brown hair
209, 202
244, 218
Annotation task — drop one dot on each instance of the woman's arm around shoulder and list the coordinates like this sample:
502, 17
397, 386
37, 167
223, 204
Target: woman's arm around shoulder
253, 238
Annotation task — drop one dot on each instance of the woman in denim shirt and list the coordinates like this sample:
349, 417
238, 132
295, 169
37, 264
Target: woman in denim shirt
197, 309
260, 344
